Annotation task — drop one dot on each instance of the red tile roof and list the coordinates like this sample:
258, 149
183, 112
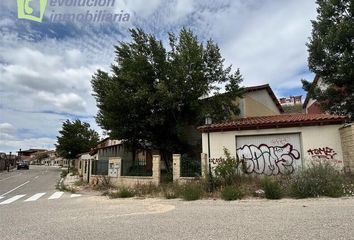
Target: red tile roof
276, 121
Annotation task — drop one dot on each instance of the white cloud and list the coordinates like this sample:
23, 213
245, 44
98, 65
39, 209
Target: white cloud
46, 69
7, 128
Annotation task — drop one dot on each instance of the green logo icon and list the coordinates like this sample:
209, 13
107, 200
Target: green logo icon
25, 10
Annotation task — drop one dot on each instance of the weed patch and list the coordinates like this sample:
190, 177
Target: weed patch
231, 193
320, 179
272, 188
192, 192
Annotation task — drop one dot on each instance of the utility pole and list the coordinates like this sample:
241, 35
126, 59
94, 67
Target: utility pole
208, 122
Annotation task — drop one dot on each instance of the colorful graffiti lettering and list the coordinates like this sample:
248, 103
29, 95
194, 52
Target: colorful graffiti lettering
324, 153
268, 160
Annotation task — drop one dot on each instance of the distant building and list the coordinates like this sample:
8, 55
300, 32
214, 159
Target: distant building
291, 100
30, 155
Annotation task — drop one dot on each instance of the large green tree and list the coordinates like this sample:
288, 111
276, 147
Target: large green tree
331, 56
153, 94
74, 138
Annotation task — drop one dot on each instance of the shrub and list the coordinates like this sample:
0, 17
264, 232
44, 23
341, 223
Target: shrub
171, 191
63, 173
227, 172
104, 184
123, 193
272, 188
231, 193
320, 179
191, 192
143, 190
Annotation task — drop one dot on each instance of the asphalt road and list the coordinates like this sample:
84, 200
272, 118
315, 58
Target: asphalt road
37, 179
96, 217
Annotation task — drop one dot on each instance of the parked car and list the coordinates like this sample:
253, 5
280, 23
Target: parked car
22, 165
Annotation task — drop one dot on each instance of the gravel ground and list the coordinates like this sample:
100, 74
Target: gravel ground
93, 217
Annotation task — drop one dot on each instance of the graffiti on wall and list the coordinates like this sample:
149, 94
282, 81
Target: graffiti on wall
323, 153
268, 160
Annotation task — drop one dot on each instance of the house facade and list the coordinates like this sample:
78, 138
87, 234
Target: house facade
312, 106
279, 144
258, 101
30, 155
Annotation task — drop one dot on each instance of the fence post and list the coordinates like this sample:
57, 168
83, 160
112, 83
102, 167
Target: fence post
204, 164
176, 168
156, 171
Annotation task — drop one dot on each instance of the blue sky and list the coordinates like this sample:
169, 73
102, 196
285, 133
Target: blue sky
46, 68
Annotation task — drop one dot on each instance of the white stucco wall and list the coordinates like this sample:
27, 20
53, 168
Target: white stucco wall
312, 138
264, 98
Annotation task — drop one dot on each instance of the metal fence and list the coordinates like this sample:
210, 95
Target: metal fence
190, 167
99, 167
139, 168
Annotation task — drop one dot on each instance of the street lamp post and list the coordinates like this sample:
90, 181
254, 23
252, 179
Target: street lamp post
69, 153
9, 162
208, 121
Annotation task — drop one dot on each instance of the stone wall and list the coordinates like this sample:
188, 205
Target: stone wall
347, 138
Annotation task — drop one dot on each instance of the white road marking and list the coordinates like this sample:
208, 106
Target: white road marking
1, 197
36, 177
35, 197
75, 195
14, 189
10, 200
56, 195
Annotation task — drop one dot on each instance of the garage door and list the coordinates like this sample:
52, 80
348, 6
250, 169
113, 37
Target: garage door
269, 154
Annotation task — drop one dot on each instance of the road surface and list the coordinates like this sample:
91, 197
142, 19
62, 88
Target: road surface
96, 217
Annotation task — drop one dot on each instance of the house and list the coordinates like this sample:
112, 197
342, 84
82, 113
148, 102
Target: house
111, 148
7, 160
30, 155
83, 165
280, 144
291, 100
312, 106
258, 101
49, 158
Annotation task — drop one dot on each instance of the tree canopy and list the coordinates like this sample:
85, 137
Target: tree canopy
152, 94
331, 56
74, 138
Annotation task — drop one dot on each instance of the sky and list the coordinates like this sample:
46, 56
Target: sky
46, 67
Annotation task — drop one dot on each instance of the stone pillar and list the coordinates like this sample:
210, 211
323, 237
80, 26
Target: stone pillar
176, 170
156, 169
347, 139
204, 164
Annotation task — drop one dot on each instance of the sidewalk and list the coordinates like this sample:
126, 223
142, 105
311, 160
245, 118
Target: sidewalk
75, 184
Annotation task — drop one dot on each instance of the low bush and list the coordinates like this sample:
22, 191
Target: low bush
320, 179
80, 183
192, 192
122, 193
146, 190
272, 188
63, 173
227, 172
231, 193
171, 190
